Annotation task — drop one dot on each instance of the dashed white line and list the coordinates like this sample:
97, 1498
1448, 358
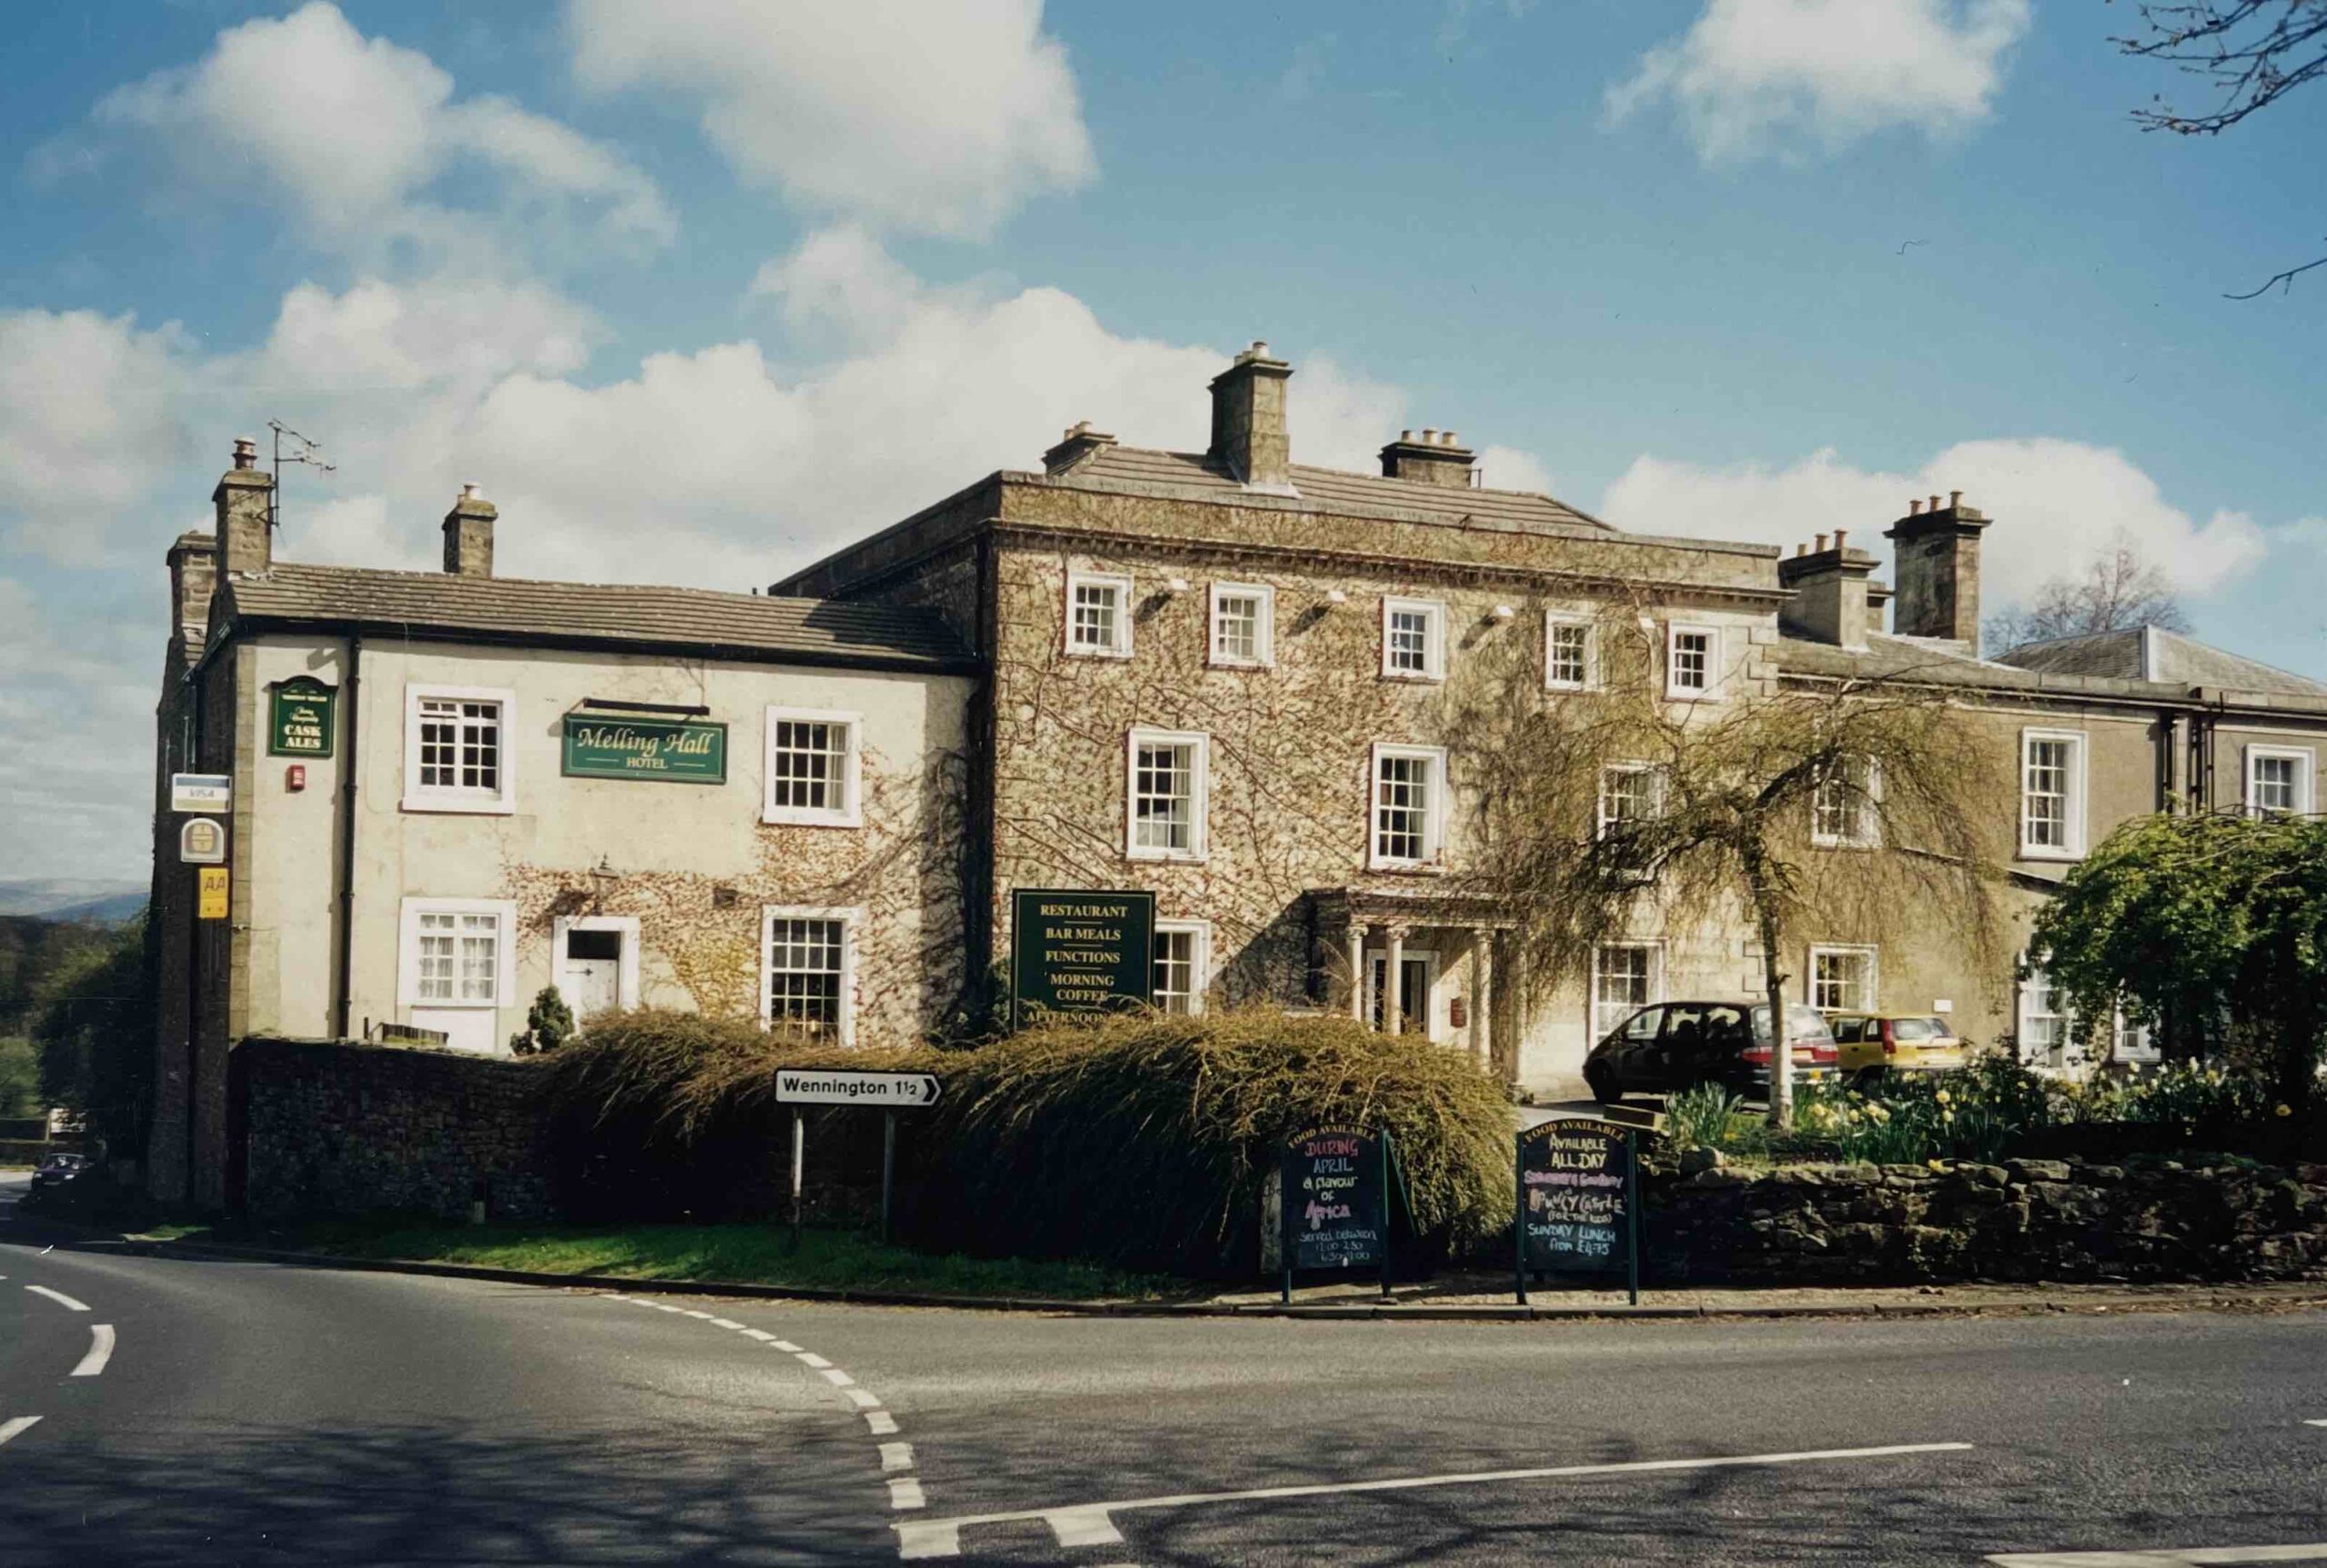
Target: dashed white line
810, 1358
785, 1345
905, 1493
59, 1297
759, 1334
864, 1400
838, 1378
100, 1350
17, 1424
881, 1422
896, 1456
2315, 1423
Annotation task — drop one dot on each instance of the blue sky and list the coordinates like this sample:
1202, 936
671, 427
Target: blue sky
742, 282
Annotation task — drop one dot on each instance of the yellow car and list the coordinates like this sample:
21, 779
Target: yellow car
1872, 1042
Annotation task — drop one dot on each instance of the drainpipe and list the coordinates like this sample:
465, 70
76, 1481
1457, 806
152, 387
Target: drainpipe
349, 684
193, 947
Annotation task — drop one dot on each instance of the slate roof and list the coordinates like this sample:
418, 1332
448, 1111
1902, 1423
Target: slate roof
506, 609
2193, 666
2154, 653
1336, 490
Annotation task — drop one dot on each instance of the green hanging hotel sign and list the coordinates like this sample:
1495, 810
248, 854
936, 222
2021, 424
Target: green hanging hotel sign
671, 750
299, 719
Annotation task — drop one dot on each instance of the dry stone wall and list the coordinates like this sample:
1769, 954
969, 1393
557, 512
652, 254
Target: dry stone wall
327, 1128
2199, 1218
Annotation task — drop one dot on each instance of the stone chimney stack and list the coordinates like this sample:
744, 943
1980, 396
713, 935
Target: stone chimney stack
1248, 419
243, 499
1939, 571
1834, 601
468, 534
1080, 444
194, 578
1435, 459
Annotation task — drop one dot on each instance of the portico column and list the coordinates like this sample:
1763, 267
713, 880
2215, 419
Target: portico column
1393, 976
1357, 970
1481, 1043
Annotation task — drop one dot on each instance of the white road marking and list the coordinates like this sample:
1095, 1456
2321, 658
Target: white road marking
864, 1400
837, 1378
941, 1538
759, 1334
785, 1345
2163, 1557
59, 1297
905, 1493
896, 1456
15, 1424
100, 1350
664, 1306
881, 1422
726, 1322
2315, 1423
693, 1313
810, 1358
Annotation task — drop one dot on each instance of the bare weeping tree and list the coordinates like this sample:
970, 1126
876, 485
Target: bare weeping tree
2250, 53
2119, 587
1864, 805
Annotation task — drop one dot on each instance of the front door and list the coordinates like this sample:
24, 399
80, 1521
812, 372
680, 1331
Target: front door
592, 972
1416, 971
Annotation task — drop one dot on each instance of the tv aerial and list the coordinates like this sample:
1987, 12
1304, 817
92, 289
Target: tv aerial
304, 450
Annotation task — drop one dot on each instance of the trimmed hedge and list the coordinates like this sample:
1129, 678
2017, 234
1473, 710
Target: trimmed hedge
1142, 1142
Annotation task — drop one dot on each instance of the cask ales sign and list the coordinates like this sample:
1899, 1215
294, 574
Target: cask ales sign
675, 751
300, 718
1090, 950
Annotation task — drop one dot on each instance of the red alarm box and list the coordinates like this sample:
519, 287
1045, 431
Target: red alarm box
295, 777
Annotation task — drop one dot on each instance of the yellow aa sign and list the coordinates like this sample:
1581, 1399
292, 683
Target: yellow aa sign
212, 903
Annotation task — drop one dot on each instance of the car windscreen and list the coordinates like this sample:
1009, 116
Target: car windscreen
1908, 1031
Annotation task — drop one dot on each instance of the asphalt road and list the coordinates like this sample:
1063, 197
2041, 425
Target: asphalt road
250, 1414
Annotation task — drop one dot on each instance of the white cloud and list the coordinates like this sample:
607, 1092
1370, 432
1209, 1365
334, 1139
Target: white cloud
378, 336
92, 413
1508, 468
743, 469
916, 114
2055, 504
82, 685
1752, 76
348, 132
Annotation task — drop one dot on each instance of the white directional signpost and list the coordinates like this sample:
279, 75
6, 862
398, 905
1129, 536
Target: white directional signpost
889, 1091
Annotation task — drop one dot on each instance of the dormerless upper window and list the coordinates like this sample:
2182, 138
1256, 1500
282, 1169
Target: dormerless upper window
1242, 629
813, 768
1409, 804
1167, 785
1692, 661
2051, 793
1098, 614
1414, 639
2278, 780
1842, 813
1624, 980
1567, 654
456, 749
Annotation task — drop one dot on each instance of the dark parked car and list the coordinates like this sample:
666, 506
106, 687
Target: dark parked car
1675, 1045
57, 1170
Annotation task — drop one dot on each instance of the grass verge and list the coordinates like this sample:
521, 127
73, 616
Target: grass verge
743, 1253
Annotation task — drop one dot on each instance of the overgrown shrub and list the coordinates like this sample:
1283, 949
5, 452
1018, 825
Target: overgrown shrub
1145, 1141
1138, 1140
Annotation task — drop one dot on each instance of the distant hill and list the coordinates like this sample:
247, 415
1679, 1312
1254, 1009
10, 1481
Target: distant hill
89, 901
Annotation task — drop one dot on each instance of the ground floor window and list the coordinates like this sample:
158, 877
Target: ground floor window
1625, 977
456, 966
808, 971
2044, 1021
1841, 979
1182, 958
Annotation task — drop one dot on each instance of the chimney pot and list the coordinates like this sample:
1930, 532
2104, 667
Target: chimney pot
1934, 502
1446, 438
246, 452
1840, 535
1954, 499
1915, 507
1822, 544
1801, 548
1429, 435
1406, 435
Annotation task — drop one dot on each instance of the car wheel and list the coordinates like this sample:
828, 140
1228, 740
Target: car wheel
1602, 1086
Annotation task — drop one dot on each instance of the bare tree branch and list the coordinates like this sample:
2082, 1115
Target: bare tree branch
2286, 277
2254, 52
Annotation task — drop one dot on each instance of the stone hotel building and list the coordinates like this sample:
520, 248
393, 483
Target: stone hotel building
1225, 676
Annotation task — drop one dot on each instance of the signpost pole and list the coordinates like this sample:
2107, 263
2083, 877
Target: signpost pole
888, 1167
1631, 1210
799, 1160
1385, 1217
1519, 1216
1284, 1228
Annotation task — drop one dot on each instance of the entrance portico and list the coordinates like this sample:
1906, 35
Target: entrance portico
1416, 964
